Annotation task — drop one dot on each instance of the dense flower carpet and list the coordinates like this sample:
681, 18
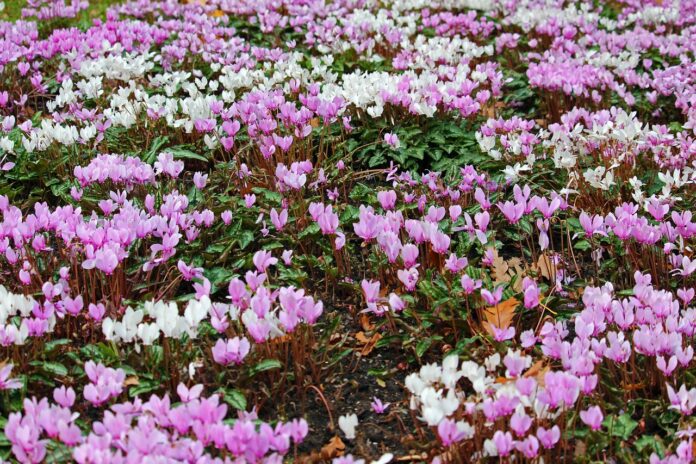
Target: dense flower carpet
347, 231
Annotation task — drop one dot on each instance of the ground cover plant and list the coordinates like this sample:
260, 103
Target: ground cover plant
241, 231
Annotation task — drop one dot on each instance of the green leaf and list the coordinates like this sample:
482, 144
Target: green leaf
621, 426
582, 245
186, 154
236, 399
311, 229
144, 386
157, 143
53, 344
422, 346
340, 356
53, 368
649, 443
265, 365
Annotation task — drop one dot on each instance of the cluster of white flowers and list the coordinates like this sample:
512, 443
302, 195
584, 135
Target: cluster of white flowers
612, 138
12, 305
165, 320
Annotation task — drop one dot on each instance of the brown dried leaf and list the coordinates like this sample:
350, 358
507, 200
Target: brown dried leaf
365, 322
130, 381
500, 315
333, 449
499, 270
545, 267
281, 339
538, 371
368, 342
534, 370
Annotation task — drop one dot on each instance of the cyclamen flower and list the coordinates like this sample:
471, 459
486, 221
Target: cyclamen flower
440, 242
279, 220
377, 405
503, 443
548, 438
469, 284
392, 140
370, 290
592, 417
396, 303
387, 199
263, 260
64, 397
165, 164
105, 383
5, 382
408, 277
199, 180
455, 264
512, 211
409, 255
231, 351
347, 424
682, 400
369, 224
451, 432
531, 293
592, 225
287, 257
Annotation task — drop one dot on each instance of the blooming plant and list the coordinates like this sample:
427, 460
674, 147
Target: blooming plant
347, 231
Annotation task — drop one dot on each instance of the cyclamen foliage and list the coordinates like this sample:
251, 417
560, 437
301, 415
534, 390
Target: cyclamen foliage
242, 231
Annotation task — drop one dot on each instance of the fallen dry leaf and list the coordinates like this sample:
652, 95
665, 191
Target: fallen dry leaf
535, 369
368, 342
281, 339
545, 267
500, 315
365, 322
538, 372
333, 449
499, 269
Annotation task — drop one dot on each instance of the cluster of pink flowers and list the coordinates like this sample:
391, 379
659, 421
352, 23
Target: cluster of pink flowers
193, 430
190, 186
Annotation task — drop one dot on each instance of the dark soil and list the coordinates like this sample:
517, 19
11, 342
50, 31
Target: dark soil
349, 389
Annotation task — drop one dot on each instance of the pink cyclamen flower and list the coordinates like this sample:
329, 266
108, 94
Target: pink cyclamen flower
503, 442
387, 199
449, 432
287, 257
592, 417
189, 394
263, 260
392, 140
279, 220
7, 383
231, 351
370, 290
379, 407
96, 311
408, 277
199, 180
548, 438
249, 200
64, 396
